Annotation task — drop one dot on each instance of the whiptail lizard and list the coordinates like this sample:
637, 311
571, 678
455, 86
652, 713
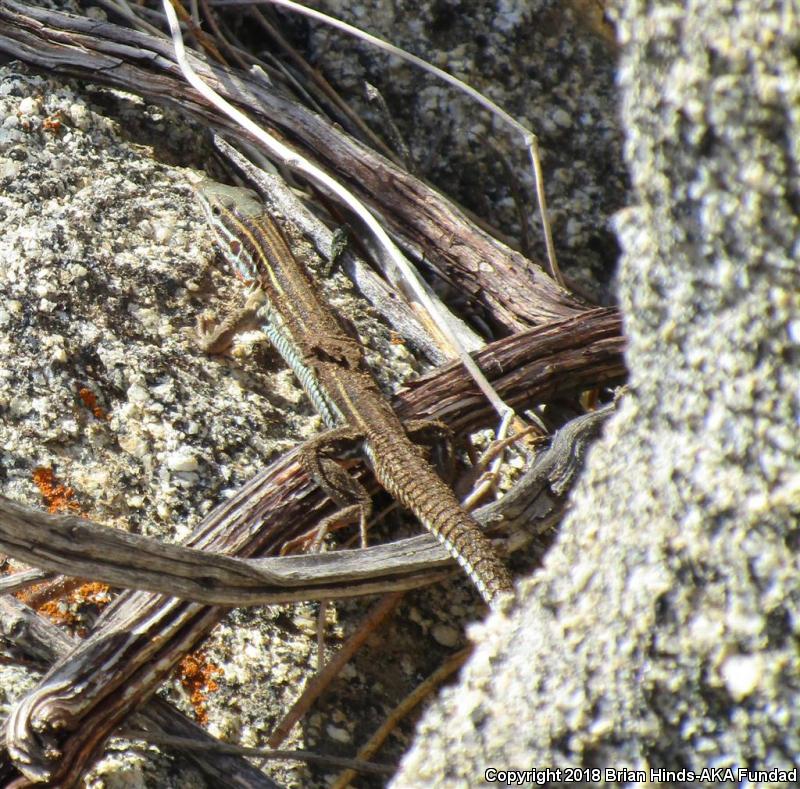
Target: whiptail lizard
330, 365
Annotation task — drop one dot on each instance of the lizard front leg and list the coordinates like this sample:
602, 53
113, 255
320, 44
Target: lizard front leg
214, 337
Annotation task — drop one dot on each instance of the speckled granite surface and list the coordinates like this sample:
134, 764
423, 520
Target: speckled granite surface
104, 266
550, 64
662, 631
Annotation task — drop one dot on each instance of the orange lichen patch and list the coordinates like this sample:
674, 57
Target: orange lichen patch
92, 592
197, 677
57, 612
58, 497
60, 599
53, 123
89, 399
62, 610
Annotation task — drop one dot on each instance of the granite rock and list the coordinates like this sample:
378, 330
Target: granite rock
662, 630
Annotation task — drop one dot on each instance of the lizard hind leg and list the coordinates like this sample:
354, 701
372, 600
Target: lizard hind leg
435, 438
317, 459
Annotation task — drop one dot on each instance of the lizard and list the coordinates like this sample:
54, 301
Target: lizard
330, 365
